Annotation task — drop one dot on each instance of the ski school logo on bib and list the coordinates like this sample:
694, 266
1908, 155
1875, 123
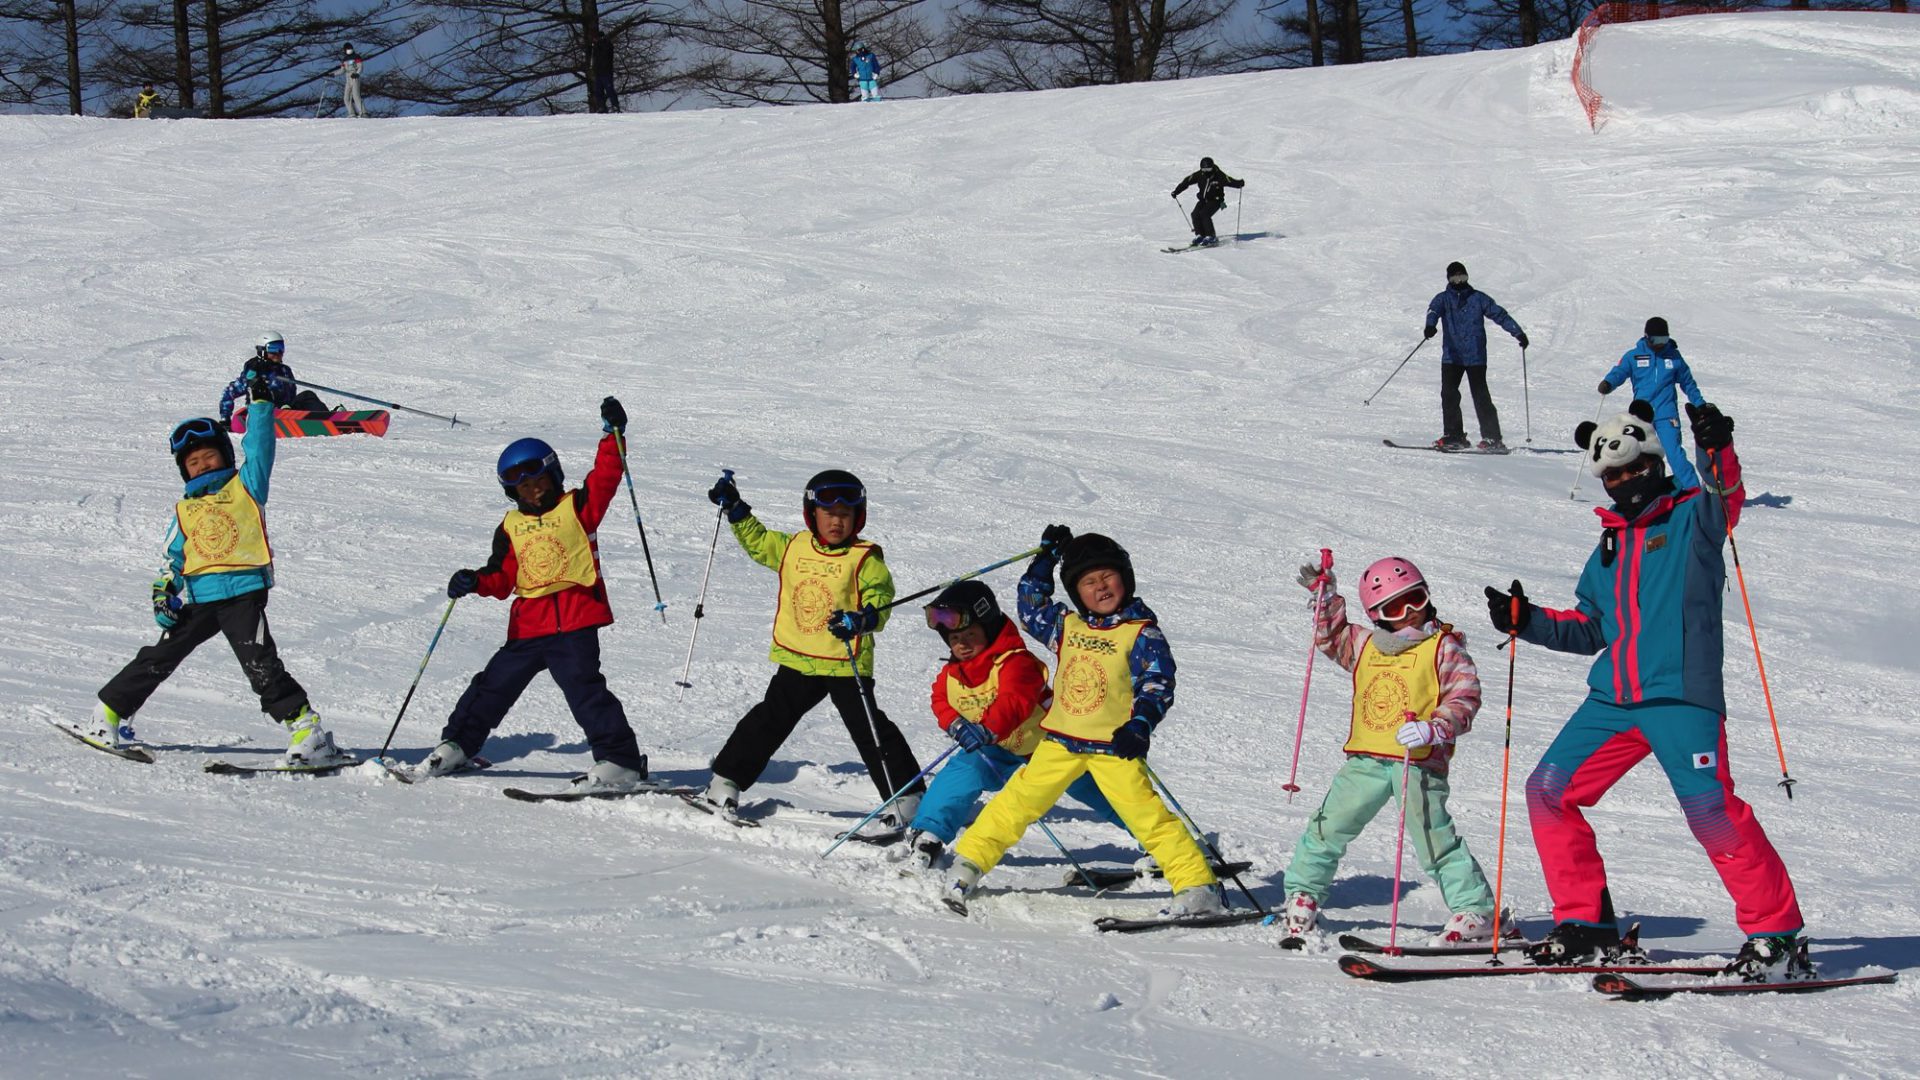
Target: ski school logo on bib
214, 534
1386, 699
1706, 760
812, 603
543, 558
1082, 686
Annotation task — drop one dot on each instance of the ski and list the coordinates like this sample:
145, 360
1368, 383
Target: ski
692, 797
1357, 944
958, 907
649, 787
1616, 985
1429, 446
1102, 878
408, 774
132, 753
1115, 925
230, 768
1361, 967
301, 423
1189, 247
879, 839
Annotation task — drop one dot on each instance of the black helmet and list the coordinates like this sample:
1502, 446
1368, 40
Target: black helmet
1092, 551
963, 604
1656, 327
190, 435
1206, 163
835, 487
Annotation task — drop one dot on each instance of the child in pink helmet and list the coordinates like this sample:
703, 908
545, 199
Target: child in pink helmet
1406, 662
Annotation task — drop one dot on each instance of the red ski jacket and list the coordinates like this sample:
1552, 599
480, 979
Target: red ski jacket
1023, 683
577, 608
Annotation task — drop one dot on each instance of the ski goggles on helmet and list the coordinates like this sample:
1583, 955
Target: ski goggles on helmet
274, 348
837, 495
1637, 467
190, 432
947, 620
525, 470
1395, 608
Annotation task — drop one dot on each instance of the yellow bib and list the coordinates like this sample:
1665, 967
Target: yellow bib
971, 702
813, 585
1385, 689
1093, 695
224, 530
553, 550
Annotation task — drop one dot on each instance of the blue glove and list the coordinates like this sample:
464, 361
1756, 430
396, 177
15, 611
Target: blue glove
1132, 740
613, 417
971, 736
461, 583
726, 495
847, 625
166, 601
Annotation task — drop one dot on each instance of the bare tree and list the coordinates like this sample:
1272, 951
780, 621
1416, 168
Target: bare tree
783, 52
48, 51
1500, 24
1036, 44
1359, 30
535, 56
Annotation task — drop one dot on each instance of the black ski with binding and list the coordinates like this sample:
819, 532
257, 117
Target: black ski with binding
1114, 925
1361, 967
693, 798
1102, 878
231, 768
1356, 944
1440, 450
573, 795
1616, 985
131, 753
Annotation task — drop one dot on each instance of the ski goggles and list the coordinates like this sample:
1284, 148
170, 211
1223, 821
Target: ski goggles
198, 429
837, 495
1456, 279
947, 620
1631, 469
1658, 341
1395, 608
525, 470
277, 348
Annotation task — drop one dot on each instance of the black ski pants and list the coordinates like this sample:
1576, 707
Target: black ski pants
1203, 212
573, 659
790, 695
1483, 410
244, 620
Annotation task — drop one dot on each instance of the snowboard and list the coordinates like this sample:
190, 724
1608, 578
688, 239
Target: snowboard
302, 424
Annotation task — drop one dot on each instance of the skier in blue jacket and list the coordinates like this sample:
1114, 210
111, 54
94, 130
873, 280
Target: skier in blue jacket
865, 67
1460, 309
1659, 374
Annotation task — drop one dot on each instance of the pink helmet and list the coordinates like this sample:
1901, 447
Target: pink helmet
1387, 579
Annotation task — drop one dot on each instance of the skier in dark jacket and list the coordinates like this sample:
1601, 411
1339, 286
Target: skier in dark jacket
1211, 184
1460, 308
600, 46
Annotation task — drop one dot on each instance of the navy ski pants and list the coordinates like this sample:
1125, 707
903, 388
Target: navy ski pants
573, 659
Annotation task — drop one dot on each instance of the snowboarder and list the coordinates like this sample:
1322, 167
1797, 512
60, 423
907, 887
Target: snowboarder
1460, 308
546, 555
218, 572
832, 584
865, 68
143, 105
1407, 663
1648, 602
989, 697
1659, 373
269, 364
600, 48
350, 65
1114, 686
1210, 184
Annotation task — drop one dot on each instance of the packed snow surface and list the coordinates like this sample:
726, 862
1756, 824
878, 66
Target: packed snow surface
963, 301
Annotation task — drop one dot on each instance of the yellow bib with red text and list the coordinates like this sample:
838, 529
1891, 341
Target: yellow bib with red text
971, 702
224, 530
1093, 693
1385, 689
814, 583
553, 550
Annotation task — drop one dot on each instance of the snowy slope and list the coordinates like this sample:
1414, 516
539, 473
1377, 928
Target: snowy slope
960, 299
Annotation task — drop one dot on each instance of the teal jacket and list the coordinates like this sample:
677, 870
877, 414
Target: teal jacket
256, 471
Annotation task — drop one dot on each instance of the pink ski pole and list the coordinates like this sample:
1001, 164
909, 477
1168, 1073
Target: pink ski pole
1300, 730
1399, 851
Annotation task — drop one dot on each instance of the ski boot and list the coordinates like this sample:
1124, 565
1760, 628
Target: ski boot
446, 758
962, 879
1451, 443
901, 813
1493, 446
1298, 919
1195, 900
1464, 928
308, 743
109, 729
921, 852
609, 776
1772, 958
1570, 944
723, 795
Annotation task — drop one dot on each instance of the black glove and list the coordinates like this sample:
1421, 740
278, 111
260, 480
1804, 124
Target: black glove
612, 416
1132, 740
258, 386
1430, 332
1521, 337
1712, 429
1176, 194
725, 495
1051, 538
461, 583
1500, 609
847, 625
1605, 388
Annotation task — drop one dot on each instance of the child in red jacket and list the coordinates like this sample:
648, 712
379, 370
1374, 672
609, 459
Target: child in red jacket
545, 555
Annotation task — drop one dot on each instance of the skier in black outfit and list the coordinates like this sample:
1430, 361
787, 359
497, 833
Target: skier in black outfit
602, 56
1212, 184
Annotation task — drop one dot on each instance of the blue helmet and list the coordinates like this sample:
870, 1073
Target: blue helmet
524, 459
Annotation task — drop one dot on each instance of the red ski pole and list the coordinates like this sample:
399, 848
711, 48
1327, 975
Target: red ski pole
1319, 594
1399, 850
1506, 764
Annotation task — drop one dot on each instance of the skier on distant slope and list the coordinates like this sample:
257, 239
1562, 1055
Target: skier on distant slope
219, 571
1648, 602
1407, 662
1460, 308
865, 68
269, 363
1210, 184
1659, 374
547, 557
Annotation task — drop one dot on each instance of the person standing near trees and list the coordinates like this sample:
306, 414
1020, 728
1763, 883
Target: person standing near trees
600, 56
143, 105
865, 68
350, 66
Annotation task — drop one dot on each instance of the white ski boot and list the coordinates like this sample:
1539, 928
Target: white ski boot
107, 728
446, 758
1195, 900
723, 794
920, 853
308, 743
901, 813
607, 776
1465, 928
1298, 919
962, 879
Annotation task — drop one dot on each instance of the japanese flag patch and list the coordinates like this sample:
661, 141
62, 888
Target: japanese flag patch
1706, 760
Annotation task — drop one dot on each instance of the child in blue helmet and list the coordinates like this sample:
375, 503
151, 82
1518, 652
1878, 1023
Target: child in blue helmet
832, 585
218, 572
547, 558
865, 69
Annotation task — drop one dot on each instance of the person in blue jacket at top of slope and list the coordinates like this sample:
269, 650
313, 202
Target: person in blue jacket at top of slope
1659, 374
865, 67
1460, 310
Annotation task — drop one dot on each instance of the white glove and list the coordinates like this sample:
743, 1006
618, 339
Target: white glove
1415, 733
1311, 576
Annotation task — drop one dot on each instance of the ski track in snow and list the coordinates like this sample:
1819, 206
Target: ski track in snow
960, 300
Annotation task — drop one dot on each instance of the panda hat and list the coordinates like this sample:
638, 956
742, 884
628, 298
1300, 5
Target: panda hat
1620, 440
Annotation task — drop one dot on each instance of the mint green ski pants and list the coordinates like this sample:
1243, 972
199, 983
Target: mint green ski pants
1359, 790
